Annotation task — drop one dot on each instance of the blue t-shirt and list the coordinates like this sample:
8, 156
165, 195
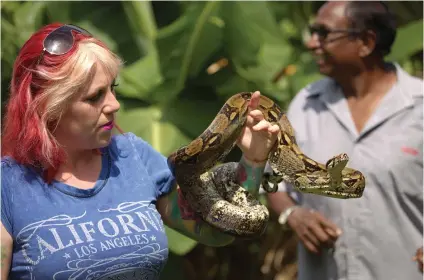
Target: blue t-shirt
111, 231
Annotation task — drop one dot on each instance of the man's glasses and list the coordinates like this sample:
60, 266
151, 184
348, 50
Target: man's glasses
323, 31
61, 40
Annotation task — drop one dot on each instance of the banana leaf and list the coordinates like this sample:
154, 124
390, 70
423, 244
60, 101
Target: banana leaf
409, 40
255, 44
184, 46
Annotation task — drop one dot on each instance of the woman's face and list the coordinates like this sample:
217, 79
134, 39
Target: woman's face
88, 121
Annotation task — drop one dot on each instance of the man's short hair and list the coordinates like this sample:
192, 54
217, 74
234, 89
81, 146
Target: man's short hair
374, 15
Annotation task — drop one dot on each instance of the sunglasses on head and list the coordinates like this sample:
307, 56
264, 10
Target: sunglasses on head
323, 31
61, 40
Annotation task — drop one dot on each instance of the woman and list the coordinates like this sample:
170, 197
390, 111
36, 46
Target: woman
77, 201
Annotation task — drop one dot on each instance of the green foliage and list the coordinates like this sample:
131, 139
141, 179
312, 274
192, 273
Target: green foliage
167, 95
409, 41
181, 245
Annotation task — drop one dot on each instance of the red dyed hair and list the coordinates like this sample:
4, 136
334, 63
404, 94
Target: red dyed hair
24, 134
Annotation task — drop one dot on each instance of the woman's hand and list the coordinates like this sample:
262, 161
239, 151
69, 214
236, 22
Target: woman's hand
258, 136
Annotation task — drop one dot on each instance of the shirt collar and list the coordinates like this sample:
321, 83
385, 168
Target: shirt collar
402, 95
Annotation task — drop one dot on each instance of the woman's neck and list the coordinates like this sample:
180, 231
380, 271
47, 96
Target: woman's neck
78, 158
80, 167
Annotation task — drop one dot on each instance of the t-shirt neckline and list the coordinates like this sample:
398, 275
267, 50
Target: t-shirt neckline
98, 186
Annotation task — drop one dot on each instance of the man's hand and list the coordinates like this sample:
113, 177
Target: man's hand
313, 229
419, 258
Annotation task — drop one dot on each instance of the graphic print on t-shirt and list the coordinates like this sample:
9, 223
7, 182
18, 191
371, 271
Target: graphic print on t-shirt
88, 244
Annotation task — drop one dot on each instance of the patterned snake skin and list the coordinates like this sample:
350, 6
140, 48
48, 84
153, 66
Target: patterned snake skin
213, 191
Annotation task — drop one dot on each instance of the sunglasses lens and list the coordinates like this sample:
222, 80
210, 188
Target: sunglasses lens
321, 32
58, 42
61, 40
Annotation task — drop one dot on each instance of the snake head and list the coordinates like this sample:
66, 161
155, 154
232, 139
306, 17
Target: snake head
337, 162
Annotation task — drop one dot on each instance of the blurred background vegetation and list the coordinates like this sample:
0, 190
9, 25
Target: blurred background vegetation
182, 61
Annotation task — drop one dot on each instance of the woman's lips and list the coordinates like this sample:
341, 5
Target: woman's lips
108, 126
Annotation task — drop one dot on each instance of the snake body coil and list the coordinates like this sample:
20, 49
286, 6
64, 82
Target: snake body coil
213, 190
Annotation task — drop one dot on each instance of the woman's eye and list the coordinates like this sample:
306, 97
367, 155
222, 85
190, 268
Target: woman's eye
113, 86
95, 98
100, 93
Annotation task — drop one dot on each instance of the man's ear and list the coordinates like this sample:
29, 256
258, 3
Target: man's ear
369, 40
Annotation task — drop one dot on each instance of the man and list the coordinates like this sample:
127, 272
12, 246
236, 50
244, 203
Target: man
373, 111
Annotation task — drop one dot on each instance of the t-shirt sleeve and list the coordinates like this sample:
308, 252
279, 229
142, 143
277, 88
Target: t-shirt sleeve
156, 165
6, 217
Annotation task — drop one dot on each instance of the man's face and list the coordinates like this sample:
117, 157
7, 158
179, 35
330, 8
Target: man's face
335, 48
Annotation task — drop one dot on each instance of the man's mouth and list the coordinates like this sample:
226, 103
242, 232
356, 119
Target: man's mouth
319, 59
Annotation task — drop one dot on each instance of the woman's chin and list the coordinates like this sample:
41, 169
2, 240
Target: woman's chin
104, 140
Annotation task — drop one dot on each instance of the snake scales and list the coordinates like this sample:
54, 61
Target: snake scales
212, 190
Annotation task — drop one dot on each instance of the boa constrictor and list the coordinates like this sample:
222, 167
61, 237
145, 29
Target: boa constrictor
212, 189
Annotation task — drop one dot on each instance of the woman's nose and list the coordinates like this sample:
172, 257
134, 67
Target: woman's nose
112, 104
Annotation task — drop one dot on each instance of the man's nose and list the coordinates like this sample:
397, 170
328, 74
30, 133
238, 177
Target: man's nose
313, 42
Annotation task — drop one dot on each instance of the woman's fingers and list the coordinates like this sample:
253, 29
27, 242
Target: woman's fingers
274, 129
263, 125
254, 100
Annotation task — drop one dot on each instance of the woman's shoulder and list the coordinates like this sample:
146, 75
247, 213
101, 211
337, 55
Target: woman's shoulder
126, 144
122, 145
14, 173
125, 137
127, 141
8, 165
